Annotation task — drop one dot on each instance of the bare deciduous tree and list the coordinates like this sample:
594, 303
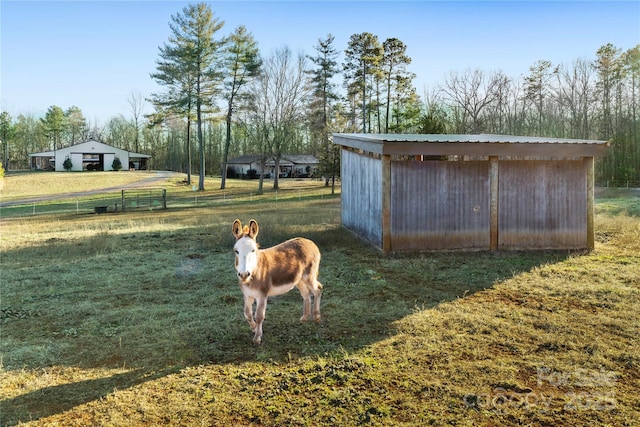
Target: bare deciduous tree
136, 103
574, 92
470, 93
279, 97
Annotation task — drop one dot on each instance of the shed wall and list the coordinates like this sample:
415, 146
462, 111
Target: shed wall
362, 195
439, 205
499, 202
542, 204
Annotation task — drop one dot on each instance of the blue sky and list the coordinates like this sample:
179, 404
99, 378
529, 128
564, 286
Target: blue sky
94, 54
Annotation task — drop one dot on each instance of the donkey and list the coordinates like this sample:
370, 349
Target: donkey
274, 271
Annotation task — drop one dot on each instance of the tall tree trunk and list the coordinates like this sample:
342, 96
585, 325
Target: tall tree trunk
263, 160
276, 160
201, 147
227, 145
188, 149
364, 98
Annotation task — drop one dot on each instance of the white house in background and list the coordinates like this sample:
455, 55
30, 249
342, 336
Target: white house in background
239, 167
291, 166
88, 156
294, 166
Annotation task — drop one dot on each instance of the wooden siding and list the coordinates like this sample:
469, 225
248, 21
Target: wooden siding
361, 177
542, 205
439, 205
410, 205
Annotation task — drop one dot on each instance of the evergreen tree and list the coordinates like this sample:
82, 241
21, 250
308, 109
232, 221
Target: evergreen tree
537, 86
53, 125
7, 132
322, 97
77, 129
242, 62
394, 62
189, 67
609, 70
116, 165
362, 58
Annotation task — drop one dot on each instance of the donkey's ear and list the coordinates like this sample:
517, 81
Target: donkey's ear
253, 229
236, 229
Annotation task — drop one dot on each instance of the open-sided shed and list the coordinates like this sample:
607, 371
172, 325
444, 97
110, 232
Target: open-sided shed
469, 192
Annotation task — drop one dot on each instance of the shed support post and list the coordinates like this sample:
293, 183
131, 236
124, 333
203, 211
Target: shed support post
590, 202
386, 204
493, 202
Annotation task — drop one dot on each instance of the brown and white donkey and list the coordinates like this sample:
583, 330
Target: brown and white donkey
274, 271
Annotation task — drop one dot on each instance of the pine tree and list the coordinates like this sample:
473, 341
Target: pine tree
362, 58
322, 96
242, 63
116, 165
53, 125
189, 67
398, 80
7, 132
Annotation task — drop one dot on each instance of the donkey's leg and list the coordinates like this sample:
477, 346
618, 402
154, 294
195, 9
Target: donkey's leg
303, 287
261, 309
317, 296
248, 311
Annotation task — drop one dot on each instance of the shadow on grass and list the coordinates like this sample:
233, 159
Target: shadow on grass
153, 301
60, 398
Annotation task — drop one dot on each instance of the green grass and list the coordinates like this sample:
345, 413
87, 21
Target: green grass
136, 319
25, 197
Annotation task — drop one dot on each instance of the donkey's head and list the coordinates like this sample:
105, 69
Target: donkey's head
245, 249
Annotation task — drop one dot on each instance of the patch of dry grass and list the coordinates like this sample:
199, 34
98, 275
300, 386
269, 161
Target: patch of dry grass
136, 320
24, 185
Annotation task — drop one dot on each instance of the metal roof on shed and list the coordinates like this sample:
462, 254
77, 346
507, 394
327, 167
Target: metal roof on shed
483, 144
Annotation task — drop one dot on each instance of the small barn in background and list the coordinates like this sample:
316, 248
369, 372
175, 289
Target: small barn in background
468, 192
91, 155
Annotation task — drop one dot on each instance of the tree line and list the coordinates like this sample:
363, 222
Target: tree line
221, 97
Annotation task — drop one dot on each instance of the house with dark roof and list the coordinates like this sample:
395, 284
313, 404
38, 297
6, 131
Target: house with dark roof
291, 166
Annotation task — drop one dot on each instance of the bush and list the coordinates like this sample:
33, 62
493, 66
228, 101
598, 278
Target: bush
116, 165
67, 164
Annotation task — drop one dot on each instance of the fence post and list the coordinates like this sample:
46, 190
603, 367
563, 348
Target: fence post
164, 198
122, 200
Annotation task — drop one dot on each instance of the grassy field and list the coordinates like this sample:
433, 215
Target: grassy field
136, 319
26, 185
25, 195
